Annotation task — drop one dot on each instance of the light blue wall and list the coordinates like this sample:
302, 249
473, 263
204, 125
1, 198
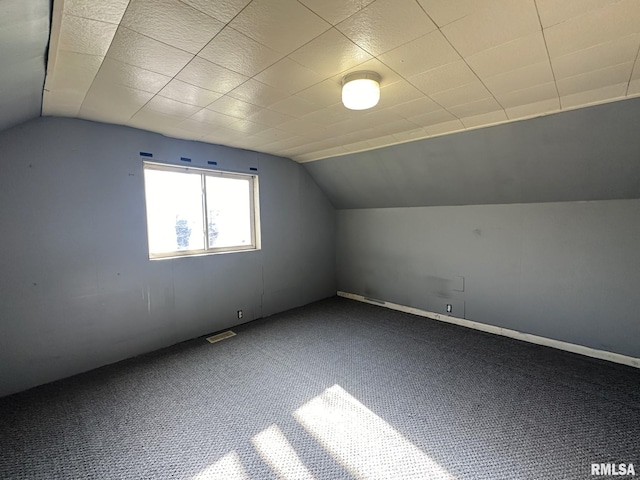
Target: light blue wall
568, 271
541, 217
587, 154
76, 287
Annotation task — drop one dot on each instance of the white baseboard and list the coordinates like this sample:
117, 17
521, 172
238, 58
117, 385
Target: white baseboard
547, 342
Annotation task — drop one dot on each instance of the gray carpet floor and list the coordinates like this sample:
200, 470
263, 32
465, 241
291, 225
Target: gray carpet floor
336, 389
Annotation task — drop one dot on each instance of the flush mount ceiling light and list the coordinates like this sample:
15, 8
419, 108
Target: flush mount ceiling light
361, 90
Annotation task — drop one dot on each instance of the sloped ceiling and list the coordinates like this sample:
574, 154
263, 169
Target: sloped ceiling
24, 35
586, 154
266, 74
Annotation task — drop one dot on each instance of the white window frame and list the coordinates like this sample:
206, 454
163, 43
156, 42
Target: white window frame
205, 172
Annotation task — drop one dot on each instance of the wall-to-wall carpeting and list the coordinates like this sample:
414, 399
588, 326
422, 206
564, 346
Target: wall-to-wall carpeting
335, 389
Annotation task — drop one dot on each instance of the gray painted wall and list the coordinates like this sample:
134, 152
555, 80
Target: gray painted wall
77, 289
568, 271
586, 154
24, 36
532, 226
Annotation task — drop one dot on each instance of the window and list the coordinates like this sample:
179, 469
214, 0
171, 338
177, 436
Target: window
194, 211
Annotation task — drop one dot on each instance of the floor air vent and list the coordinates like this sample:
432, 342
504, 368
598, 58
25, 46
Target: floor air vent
220, 336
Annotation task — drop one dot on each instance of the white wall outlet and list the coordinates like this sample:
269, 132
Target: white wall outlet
240, 314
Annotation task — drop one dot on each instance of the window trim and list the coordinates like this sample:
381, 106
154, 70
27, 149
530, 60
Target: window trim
254, 211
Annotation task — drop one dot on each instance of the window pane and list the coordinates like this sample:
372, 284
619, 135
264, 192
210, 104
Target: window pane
229, 212
174, 211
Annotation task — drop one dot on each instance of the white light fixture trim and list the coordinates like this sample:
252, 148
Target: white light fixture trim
361, 90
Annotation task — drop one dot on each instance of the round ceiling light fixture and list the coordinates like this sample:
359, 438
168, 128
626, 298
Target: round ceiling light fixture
361, 90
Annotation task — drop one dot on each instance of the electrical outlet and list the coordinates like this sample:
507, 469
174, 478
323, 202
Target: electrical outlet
449, 308
240, 314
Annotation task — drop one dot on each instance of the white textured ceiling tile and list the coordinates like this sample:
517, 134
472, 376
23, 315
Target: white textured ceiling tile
136, 49
410, 135
74, 70
293, 151
113, 103
444, 78
595, 79
301, 127
103, 116
207, 75
392, 128
535, 94
419, 106
431, 118
326, 143
324, 93
387, 75
275, 134
598, 95
358, 146
251, 142
444, 12
286, 144
284, 25
289, 76
176, 132
422, 54
330, 54
596, 57
360, 132
223, 136
468, 93
332, 152
257, 93
306, 157
331, 133
636, 68
512, 55
525, 77
233, 107
223, 10
171, 22
171, 107
110, 11
446, 127
270, 118
326, 116
187, 93
294, 106
198, 127
334, 11
394, 22
634, 87
149, 119
130, 76
553, 12
271, 79
235, 51
494, 23
398, 93
535, 109
248, 127
332, 146
213, 118
597, 26
479, 107
484, 119
64, 103
82, 35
